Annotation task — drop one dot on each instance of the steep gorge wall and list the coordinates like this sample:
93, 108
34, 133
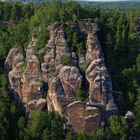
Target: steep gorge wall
27, 77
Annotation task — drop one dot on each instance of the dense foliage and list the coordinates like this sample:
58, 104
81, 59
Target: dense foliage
121, 46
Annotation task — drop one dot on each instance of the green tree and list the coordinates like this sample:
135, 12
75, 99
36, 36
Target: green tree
45, 125
80, 95
66, 60
137, 109
117, 129
9, 112
71, 135
53, 11
22, 123
138, 62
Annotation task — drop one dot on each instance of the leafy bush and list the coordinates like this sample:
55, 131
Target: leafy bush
66, 60
118, 128
137, 109
45, 125
76, 40
84, 66
80, 95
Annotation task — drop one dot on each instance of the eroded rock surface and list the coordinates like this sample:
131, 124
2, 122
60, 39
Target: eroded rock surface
30, 80
62, 89
25, 79
57, 49
100, 84
71, 80
83, 118
14, 57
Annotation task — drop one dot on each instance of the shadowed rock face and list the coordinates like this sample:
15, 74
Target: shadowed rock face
62, 89
100, 84
32, 84
14, 57
15, 76
83, 118
56, 96
57, 49
71, 80
27, 77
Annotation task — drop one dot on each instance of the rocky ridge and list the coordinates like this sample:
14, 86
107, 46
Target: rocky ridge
28, 77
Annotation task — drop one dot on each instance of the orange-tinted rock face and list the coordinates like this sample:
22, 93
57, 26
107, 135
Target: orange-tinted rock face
99, 82
71, 80
100, 86
62, 89
15, 76
76, 115
25, 79
14, 57
29, 78
83, 118
58, 48
92, 123
55, 96
32, 83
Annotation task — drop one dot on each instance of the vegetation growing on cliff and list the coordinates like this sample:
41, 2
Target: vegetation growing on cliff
119, 41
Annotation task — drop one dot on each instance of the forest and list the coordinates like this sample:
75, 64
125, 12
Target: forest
119, 37
122, 5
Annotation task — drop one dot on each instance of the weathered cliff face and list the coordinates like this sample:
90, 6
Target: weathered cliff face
57, 49
62, 89
14, 57
31, 79
71, 80
83, 117
100, 84
27, 77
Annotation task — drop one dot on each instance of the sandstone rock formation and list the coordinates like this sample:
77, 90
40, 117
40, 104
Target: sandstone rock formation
14, 57
29, 78
100, 85
71, 80
84, 118
57, 49
25, 79
56, 96
62, 89
15, 76
32, 84
30, 48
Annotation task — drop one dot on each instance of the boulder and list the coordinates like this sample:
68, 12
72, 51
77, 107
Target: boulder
71, 80
56, 96
36, 104
111, 108
130, 116
83, 118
